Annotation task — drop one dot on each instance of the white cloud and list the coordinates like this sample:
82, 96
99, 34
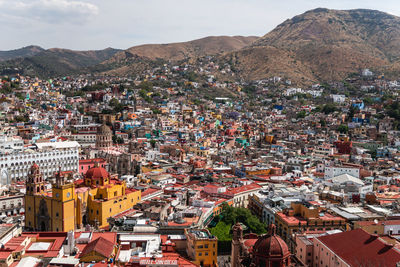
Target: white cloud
50, 11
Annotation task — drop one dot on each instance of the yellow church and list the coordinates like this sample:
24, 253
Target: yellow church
73, 204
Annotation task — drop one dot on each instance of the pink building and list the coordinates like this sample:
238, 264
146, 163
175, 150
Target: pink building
86, 164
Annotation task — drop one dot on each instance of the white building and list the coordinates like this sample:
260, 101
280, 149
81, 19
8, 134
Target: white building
293, 91
331, 172
83, 138
367, 73
10, 145
49, 156
338, 98
12, 204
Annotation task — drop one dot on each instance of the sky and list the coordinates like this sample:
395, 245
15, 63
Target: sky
98, 24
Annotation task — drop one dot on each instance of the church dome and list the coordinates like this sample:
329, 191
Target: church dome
104, 130
97, 173
271, 246
34, 167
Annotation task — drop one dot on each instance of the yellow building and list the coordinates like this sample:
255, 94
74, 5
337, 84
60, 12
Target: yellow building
201, 247
71, 205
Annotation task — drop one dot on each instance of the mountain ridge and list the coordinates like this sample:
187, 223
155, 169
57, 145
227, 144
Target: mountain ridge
60, 61
26, 51
332, 43
316, 46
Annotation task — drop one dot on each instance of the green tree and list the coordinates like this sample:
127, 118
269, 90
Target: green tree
343, 128
146, 85
191, 76
222, 231
153, 143
301, 115
328, 108
231, 215
156, 111
353, 110
114, 102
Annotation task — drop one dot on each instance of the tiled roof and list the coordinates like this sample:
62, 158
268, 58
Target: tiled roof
359, 248
101, 245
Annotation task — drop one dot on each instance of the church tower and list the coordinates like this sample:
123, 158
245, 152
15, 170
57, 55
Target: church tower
34, 194
237, 244
35, 182
103, 137
63, 204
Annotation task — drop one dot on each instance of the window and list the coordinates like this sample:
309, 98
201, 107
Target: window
97, 212
57, 216
200, 246
206, 253
110, 209
29, 208
206, 245
200, 254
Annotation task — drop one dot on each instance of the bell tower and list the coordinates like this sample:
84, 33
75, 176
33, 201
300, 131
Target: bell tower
35, 182
237, 244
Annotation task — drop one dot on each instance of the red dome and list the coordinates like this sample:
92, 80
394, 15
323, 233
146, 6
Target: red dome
271, 246
97, 173
34, 166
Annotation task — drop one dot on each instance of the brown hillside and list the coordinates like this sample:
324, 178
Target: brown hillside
179, 51
325, 45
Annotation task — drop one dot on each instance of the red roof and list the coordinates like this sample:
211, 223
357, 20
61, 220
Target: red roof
97, 173
238, 190
89, 161
101, 245
150, 191
359, 248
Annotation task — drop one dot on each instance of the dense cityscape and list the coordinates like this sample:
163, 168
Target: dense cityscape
129, 158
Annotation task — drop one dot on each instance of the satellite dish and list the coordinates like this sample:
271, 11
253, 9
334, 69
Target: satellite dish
376, 221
